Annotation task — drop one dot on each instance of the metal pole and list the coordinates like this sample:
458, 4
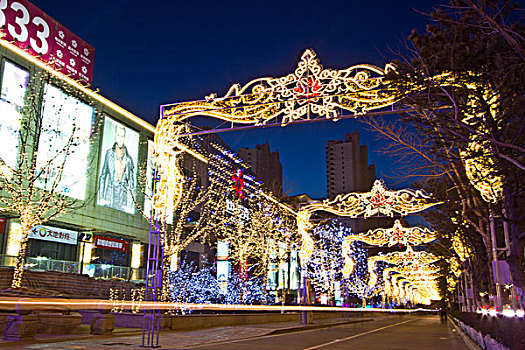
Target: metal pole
465, 289
477, 304
507, 248
498, 303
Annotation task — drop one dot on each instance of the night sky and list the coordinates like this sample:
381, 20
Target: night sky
149, 53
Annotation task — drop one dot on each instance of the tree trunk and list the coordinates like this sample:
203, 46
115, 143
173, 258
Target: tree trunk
19, 265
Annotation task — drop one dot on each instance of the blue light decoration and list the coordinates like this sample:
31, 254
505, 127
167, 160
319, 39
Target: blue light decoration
325, 264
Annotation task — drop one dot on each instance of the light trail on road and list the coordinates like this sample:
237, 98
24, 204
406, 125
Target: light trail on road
8, 303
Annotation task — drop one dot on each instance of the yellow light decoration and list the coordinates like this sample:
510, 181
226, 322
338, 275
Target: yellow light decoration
480, 168
307, 243
408, 257
397, 234
461, 249
311, 88
480, 172
454, 266
420, 275
378, 201
14, 241
419, 291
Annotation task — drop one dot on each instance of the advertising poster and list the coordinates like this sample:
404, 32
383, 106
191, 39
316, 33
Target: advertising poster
223, 265
150, 169
294, 270
118, 167
32, 30
14, 85
223, 274
63, 147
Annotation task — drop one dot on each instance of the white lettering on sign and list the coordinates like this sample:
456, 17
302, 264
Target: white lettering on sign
53, 234
111, 243
237, 209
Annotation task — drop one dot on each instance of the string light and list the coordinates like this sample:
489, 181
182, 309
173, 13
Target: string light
399, 258
397, 234
311, 88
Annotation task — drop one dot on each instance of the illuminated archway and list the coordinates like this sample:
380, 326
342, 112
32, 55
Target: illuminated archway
310, 92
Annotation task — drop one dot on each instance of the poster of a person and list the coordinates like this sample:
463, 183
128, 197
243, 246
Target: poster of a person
118, 171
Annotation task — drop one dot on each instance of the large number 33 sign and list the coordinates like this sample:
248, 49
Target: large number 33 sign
17, 27
29, 28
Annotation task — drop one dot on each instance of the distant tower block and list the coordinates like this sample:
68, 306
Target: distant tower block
347, 168
266, 165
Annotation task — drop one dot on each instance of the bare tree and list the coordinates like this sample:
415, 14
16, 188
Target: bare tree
38, 187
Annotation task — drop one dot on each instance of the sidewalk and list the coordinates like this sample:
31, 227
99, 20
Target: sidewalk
131, 338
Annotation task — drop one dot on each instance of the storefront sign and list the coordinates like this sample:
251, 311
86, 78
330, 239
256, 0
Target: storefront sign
111, 243
32, 30
2, 225
53, 234
236, 209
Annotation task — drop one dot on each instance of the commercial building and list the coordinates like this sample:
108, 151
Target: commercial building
266, 165
95, 149
347, 168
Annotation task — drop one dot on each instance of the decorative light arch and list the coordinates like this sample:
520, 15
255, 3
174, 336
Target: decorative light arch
408, 257
309, 89
379, 200
397, 234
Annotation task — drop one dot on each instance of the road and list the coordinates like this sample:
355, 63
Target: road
393, 333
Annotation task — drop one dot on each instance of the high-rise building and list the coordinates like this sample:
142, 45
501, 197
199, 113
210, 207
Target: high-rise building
266, 165
347, 168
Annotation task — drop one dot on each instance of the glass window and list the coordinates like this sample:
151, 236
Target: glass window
63, 148
14, 85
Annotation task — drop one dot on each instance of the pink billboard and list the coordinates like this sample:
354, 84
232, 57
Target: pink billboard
31, 29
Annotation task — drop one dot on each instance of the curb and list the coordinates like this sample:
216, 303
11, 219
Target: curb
472, 345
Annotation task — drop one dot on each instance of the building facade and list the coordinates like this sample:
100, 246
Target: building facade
347, 168
266, 165
86, 148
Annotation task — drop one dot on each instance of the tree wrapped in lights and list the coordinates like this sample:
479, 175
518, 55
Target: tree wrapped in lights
192, 285
356, 281
326, 262
209, 207
36, 186
250, 290
250, 237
